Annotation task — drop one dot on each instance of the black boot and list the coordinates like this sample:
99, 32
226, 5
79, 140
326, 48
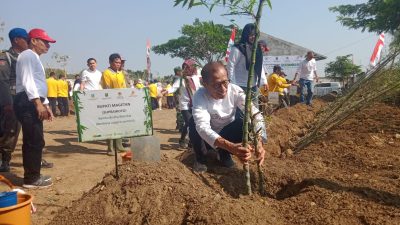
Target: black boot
5, 162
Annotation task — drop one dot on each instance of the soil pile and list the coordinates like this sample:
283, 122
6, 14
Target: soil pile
162, 193
349, 177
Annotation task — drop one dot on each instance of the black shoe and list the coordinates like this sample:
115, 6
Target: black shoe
183, 144
39, 183
5, 167
45, 164
199, 167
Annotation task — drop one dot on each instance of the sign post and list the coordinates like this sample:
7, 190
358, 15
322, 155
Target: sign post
113, 114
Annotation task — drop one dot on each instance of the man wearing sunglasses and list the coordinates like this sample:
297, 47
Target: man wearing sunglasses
216, 122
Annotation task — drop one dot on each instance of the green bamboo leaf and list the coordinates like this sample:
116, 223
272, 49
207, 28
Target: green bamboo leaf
191, 3
177, 2
269, 3
198, 3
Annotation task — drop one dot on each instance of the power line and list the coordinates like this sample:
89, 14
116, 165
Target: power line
348, 45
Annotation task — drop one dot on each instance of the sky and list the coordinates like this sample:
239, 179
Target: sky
98, 28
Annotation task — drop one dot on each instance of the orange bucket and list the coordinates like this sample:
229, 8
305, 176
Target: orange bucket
19, 214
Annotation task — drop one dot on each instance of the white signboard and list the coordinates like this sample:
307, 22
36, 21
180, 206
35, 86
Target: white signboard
289, 64
273, 98
113, 113
293, 90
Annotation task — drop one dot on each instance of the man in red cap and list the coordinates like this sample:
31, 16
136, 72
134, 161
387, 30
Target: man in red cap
31, 107
8, 122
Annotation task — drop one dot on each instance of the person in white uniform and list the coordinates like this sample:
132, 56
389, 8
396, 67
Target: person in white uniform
307, 71
91, 77
187, 86
239, 63
31, 107
216, 122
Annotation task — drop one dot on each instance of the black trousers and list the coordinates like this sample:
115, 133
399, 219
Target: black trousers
53, 105
231, 132
154, 103
33, 138
187, 115
63, 105
171, 102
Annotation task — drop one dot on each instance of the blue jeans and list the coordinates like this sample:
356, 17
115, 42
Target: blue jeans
309, 84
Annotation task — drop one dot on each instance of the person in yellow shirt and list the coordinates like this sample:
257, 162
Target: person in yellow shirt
277, 82
62, 95
153, 92
170, 97
139, 84
112, 78
52, 89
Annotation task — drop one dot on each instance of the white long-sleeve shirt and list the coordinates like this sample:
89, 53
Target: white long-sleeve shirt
307, 69
184, 98
212, 115
31, 77
237, 71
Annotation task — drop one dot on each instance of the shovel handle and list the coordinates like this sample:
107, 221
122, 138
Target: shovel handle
6, 181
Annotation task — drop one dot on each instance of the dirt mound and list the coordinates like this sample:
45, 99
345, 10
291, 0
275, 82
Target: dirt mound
349, 177
288, 125
162, 193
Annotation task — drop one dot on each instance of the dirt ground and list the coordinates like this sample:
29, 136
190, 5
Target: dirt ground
351, 176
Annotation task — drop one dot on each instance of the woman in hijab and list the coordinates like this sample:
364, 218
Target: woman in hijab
239, 62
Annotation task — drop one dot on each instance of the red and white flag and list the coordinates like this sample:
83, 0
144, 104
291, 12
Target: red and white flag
376, 55
230, 43
148, 59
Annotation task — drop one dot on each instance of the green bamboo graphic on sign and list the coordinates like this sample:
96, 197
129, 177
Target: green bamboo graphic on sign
148, 112
78, 107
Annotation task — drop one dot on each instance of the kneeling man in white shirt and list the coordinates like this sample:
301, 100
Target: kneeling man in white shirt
216, 122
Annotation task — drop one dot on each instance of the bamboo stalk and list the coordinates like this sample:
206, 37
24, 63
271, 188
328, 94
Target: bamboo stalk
255, 138
376, 85
249, 95
363, 82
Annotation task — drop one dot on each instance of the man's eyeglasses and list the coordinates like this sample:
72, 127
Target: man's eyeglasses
221, 84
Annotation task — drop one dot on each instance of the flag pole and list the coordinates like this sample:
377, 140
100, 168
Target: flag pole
148, 62
376, 54
230, 43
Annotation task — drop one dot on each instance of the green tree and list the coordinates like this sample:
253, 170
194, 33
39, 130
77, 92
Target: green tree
342, 69
138, 74
62, 60
2, 24
202, 41
251, 8
374, 16
57, 71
